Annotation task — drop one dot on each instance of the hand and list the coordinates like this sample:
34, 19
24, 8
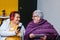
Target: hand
17, 31
43, 38
31, 35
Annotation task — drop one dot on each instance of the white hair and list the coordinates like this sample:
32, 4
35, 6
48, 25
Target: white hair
39, 13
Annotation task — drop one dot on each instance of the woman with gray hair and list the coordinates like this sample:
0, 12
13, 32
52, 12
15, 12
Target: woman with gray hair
39, 28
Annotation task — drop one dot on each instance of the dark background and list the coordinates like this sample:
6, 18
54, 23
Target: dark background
26, 7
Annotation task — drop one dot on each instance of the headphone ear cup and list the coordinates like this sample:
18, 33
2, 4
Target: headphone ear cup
12, 18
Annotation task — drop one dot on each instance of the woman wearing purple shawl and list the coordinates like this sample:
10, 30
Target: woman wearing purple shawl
39, 28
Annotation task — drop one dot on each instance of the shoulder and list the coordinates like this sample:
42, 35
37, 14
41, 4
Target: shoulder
48, 24
5, 24
21, 25
6, 21
30, 23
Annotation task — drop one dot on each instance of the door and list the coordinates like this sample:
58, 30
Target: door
26, 7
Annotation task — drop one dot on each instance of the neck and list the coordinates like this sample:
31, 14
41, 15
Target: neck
13, 23
36, 21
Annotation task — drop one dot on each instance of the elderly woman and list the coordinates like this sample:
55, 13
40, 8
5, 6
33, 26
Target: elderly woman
39, 28
12, 29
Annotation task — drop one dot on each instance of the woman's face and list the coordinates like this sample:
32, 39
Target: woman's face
36, 18
16, 18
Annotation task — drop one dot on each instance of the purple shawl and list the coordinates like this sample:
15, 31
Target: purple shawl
43, 27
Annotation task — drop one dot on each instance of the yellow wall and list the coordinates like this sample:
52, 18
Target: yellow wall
8, 5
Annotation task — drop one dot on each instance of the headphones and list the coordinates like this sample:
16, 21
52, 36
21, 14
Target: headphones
12, 16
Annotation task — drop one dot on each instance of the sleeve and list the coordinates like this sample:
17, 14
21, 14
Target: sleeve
4, 30
51, 32
7, 33
22, 32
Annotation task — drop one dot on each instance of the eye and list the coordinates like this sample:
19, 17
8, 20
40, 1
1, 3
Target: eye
35, 16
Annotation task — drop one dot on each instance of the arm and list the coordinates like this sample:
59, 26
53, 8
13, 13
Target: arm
51, 32
7, 33
4, 30
23, 32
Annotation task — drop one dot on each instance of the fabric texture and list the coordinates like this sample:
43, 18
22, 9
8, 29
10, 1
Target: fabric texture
43, 27
5, 30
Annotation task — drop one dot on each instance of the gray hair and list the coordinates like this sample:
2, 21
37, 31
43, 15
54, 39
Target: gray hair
39, 13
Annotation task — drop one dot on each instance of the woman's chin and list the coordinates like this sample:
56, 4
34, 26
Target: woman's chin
17, 22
